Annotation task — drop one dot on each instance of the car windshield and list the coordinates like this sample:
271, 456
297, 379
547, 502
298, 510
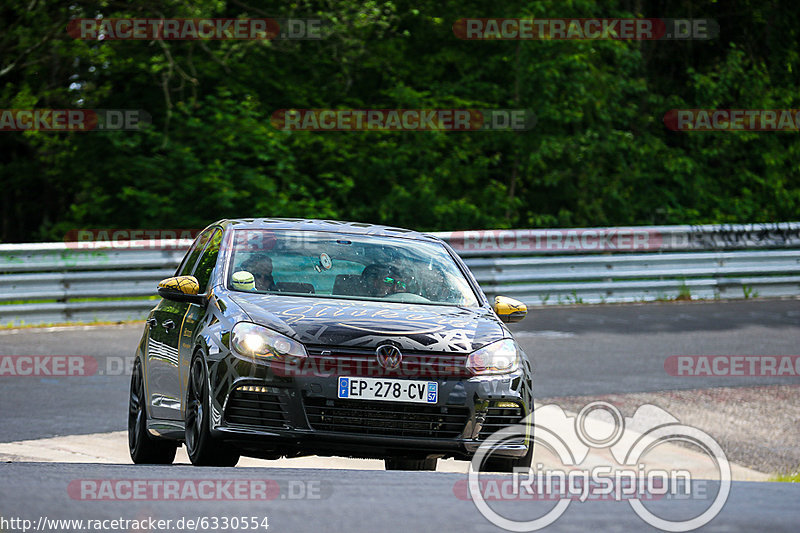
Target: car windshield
348, 266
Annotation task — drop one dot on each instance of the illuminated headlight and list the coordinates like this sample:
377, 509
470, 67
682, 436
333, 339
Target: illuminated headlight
254, 341
499, 357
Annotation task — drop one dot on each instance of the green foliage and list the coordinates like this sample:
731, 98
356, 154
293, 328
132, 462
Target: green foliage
791, 477
599, 154
684, 292
749, 292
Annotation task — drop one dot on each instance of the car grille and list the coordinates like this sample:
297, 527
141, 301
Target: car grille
259, 408
356, 361
386, 418
498, 418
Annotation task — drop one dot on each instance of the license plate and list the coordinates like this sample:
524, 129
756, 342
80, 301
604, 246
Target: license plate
390, 390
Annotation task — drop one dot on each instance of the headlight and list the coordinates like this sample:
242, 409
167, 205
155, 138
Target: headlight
254, 341
499, 357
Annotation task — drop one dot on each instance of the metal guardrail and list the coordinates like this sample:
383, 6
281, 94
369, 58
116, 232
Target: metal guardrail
581, 279
86, 282
64, 282
635, 239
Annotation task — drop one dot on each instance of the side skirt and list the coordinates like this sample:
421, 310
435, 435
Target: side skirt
169, 429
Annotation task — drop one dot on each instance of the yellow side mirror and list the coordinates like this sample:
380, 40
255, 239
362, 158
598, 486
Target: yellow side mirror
182, 284
181, 289
509, 309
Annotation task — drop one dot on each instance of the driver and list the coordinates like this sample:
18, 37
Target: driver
382, 280
261, 267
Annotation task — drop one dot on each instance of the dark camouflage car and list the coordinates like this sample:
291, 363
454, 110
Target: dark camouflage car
281, 338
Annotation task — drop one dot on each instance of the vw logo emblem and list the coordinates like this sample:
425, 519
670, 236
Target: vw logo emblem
389, 356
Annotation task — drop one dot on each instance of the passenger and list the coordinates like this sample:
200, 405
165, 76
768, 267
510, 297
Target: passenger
437, 288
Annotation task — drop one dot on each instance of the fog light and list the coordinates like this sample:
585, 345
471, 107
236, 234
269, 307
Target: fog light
253, 388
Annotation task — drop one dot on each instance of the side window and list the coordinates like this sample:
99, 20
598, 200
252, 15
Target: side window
207, 260
187, 266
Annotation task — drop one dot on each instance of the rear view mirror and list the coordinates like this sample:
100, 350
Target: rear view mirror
509, 309
181, 289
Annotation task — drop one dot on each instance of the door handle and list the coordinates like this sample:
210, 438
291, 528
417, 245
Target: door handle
168, 324
152, 322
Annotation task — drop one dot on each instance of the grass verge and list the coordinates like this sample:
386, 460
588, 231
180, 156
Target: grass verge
794, 477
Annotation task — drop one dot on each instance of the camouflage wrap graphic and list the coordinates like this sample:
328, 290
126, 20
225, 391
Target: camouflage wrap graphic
366, 324
183, 284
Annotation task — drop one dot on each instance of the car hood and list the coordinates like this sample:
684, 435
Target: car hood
333, 322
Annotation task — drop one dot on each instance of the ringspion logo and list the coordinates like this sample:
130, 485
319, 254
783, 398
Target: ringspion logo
626, 476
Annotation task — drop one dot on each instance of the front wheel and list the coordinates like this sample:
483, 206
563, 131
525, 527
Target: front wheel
507, 465
144, 448
203, 449
494, 463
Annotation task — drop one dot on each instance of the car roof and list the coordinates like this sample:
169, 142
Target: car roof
334, 226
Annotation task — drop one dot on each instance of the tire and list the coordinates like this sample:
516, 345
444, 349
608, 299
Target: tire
507, 464
144, 448
404, 463
203, 449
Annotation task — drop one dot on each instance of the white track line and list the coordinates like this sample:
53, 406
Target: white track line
112, 448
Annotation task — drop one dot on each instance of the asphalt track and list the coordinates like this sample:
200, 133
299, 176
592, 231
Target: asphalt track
581, 350
363, 501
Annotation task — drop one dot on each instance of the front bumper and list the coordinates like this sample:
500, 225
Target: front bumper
271, 415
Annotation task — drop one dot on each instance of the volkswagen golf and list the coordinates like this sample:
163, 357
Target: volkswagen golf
290, 337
